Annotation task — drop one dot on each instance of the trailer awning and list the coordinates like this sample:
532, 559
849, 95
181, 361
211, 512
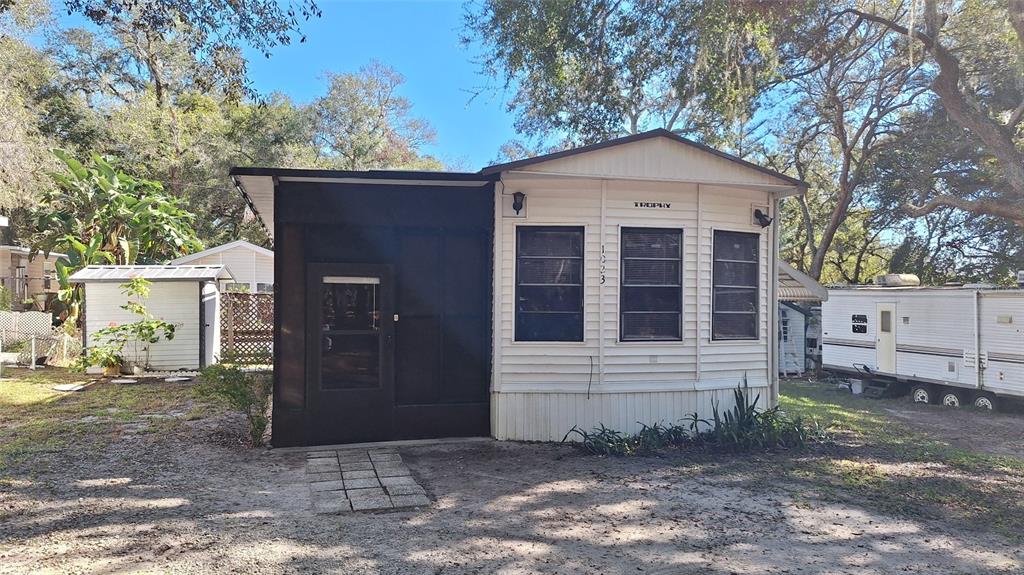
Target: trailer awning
794, 285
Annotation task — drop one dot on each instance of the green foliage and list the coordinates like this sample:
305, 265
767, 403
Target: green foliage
5, 299
743, 428
247, 392
97, 214
140, 334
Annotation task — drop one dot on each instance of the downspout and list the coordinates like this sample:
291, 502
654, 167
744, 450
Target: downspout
773, 309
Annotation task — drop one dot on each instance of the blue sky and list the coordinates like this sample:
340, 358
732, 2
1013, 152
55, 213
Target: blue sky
421, 41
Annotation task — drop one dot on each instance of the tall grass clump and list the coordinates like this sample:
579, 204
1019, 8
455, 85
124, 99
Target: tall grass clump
244, 391
742, 428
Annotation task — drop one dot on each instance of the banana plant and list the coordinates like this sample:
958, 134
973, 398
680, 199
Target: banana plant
96, 214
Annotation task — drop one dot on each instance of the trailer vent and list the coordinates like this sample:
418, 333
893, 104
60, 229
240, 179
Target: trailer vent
897, 280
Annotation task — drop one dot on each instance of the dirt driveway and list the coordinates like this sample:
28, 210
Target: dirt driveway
187, 502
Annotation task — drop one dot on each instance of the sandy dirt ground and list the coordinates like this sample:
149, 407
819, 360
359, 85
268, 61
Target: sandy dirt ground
195, 502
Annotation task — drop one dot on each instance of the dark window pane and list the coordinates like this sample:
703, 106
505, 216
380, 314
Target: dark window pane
651, 257
549, 326
545, 241
733, 299
642, 243
549, 298
641, 326
349, 361
736, 286
549, 283
735, 326
550, 271
650, 299
350, 306
735, 274
650, 272
736, 246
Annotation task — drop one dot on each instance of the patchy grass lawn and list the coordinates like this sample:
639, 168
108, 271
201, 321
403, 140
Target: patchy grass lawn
36, 420
911, 459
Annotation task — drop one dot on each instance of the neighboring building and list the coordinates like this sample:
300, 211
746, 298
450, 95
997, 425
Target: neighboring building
186, 296
627, 282
26, 277
251, 266
800, 299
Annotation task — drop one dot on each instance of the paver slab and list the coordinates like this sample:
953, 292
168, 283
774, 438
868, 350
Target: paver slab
375, 457
394, 490
321, 455
371, 503
391, 481
331, 505
362, 474
362, 483
392, 470
409, 500
364, 493
327, 486
324, 476
321, 466
356, 466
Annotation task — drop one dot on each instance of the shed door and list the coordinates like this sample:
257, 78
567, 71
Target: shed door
885, 337
351, 359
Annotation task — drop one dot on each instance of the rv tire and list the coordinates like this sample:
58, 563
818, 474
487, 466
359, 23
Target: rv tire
985, 400
951, 398
922, 393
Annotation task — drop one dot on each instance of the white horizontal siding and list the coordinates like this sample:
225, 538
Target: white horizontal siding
175, 302
245, 265
549, 416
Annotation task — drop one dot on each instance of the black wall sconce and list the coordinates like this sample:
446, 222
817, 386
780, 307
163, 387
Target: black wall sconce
517, 201
763, 218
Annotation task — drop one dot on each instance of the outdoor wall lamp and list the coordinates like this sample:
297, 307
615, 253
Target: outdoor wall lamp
517, 201
762, 218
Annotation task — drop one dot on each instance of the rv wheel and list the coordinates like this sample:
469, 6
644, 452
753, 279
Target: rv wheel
951, 399
985, 401
921, 394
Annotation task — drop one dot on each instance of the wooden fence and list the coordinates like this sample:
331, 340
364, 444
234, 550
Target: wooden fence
247, 327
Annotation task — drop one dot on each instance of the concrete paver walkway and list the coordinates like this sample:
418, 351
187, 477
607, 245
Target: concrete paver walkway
361, 480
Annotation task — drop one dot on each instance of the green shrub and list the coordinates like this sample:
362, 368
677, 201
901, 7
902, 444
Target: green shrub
247, 392
742, 428
5, 299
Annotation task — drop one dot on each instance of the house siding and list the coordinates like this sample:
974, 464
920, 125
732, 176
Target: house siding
246, 266
626, 382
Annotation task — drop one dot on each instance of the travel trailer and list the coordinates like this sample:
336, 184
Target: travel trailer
955, 345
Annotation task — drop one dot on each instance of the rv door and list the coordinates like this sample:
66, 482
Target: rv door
885, 337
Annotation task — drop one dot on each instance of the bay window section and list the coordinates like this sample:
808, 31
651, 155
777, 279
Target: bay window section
651, 290
549, 283
734, 306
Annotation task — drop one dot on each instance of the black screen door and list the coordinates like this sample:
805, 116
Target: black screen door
351, 359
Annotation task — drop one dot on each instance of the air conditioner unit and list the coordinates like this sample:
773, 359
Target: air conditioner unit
897, 280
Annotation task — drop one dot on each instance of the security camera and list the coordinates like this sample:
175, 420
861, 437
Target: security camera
762, 218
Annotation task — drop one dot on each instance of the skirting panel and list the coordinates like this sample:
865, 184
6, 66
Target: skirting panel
549, 416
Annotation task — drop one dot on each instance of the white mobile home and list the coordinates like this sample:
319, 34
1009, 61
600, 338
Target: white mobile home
186, 296
624, 282
949, 345
252, 266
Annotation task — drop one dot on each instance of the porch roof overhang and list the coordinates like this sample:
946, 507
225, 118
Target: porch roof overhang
258, 185
794, 285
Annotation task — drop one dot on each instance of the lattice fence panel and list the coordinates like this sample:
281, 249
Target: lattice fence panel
247, 327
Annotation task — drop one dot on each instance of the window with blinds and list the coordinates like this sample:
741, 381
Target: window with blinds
549, 283
651, 290
734, 306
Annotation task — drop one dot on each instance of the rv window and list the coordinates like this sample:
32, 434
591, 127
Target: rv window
734, 306
860, 328
860, 318
651, 298
885, 321
549, 283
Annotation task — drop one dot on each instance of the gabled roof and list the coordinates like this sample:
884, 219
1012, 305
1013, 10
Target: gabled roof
795, 285
658, 133
223, 248
151, 273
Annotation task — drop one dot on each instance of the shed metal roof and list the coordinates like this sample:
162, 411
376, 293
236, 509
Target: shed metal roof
151, 273
794, 285
223, 248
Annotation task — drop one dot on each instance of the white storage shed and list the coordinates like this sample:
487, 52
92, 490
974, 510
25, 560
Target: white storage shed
800, 299
186, 296
252, 266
